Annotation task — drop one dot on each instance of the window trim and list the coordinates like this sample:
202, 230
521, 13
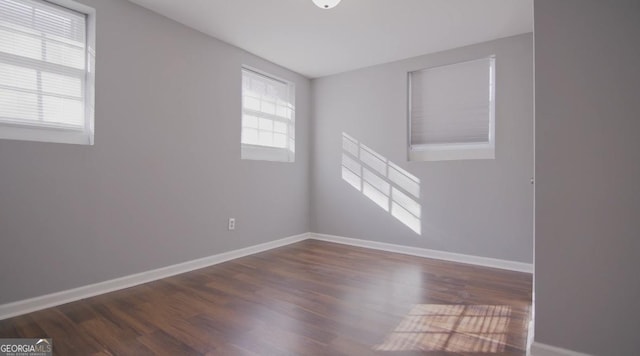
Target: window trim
455, 151
32, 131
267, 153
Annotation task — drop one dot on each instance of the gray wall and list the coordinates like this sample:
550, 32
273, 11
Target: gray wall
164, 175
587, 288
481, 207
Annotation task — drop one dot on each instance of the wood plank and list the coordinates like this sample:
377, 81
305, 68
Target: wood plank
312, 297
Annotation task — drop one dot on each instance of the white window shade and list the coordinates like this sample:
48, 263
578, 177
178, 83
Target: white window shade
452, 111
46, 72
268, 117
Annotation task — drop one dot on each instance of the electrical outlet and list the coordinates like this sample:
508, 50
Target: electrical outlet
232, 223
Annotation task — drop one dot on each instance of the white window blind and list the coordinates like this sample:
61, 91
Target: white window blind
268, 116
46, 72
452, 111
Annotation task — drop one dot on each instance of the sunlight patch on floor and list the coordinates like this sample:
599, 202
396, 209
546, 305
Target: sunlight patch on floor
451, 328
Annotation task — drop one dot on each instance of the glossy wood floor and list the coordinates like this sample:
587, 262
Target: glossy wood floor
309, 298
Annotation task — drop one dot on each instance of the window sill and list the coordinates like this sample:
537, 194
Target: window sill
451, 152
263, 153
41, 134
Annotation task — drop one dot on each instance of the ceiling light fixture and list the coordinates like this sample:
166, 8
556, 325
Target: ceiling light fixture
326, 4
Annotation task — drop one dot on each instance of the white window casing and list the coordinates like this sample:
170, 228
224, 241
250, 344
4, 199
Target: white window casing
452, 111
47, 71
268, 117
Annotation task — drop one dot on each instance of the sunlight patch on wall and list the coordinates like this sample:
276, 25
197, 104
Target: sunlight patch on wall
451, 328
387, 185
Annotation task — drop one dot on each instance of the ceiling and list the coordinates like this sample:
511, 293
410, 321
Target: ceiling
357, 33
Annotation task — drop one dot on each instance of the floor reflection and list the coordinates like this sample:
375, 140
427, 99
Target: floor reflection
451, 328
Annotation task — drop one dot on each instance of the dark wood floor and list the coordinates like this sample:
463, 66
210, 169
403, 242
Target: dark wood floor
309, 298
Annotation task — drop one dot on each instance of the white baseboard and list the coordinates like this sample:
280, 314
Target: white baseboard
54, 299
51, 300
423, 252
539, 349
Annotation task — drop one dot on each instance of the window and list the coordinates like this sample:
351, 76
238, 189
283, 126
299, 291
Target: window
268, 117
451, 111
47, 57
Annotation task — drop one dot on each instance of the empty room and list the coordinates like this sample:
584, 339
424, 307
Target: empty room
319, 177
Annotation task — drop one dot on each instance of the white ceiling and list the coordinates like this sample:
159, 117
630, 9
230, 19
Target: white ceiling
357, 33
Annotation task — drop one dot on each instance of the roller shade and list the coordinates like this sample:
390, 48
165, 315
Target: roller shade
452, 104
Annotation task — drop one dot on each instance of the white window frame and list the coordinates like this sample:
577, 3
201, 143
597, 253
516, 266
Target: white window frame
455, 151
267, 153
44, 132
